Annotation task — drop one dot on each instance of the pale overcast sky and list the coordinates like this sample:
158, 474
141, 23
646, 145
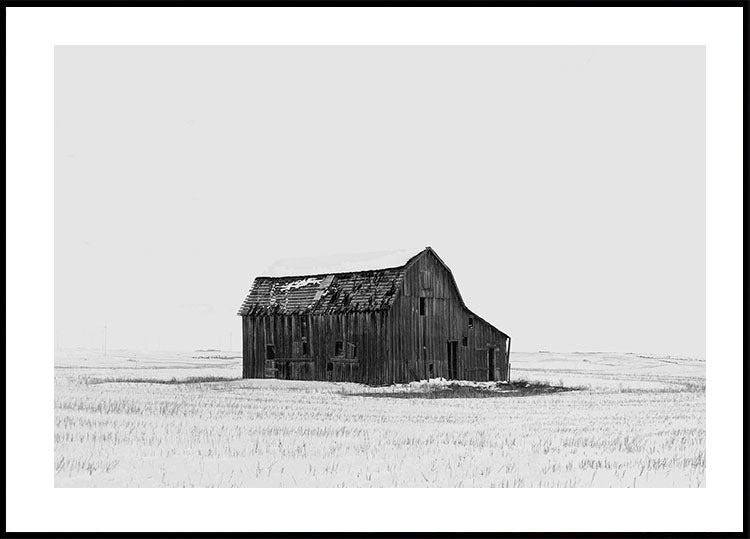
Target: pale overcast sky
564, 186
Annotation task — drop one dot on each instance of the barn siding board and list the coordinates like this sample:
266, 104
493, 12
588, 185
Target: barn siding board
377, 312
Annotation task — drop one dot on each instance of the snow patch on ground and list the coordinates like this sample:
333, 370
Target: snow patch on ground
437, 385
440, 383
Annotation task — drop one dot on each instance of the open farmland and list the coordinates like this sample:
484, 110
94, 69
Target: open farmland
187, 420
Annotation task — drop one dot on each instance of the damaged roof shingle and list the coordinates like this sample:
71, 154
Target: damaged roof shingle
372, 290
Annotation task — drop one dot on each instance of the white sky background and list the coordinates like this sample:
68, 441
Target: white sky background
564, 186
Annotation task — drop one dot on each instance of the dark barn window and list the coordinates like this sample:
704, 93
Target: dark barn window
303, 327
471, 322
270, 351
339, 349
329, 366
351, 349
465, 341
422, 306
305, 348
432, 371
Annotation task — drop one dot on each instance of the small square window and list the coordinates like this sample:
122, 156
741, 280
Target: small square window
329, 367
422, 306
339, 349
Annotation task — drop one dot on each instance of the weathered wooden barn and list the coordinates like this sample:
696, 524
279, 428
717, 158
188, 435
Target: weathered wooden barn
378, 326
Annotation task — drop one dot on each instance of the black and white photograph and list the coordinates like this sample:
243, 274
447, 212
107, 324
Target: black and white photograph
559, 197
350, 265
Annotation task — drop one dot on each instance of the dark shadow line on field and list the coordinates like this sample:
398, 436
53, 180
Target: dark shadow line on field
607, 375
142, 366
465, 393
172, 381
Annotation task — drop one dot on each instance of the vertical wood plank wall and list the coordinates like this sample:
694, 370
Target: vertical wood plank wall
397, 345
418, 341
365, 330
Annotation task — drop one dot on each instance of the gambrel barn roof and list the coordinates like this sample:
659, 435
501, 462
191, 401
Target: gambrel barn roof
367, 290
333, 293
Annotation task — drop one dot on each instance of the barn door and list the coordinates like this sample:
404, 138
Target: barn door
491, 364
452, 360
271, 371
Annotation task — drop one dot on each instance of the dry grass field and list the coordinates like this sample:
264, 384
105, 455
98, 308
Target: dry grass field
187, 420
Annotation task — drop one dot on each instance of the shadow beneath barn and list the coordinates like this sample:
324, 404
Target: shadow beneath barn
459, 391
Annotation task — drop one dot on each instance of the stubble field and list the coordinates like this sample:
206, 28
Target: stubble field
187, 420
